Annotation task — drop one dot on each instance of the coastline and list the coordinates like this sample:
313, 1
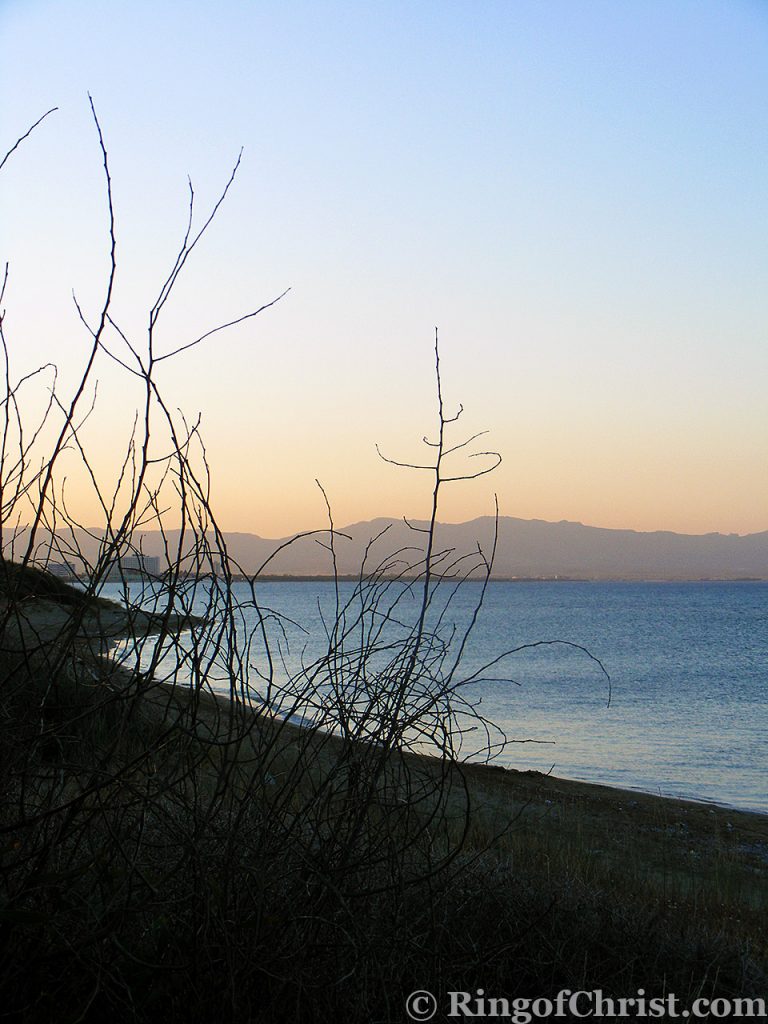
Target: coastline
667, 836
543, 787
566, 883
510, 808
106, 623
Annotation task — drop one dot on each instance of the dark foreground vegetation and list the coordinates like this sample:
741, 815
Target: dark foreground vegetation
283, 849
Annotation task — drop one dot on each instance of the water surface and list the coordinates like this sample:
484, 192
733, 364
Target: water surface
688, 713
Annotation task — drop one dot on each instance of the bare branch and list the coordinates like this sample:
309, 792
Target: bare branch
26, 135
221, 327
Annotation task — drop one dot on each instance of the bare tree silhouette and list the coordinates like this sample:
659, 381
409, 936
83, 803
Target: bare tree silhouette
197, 820
140, 807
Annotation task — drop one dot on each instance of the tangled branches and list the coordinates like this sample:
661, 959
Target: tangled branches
192, 813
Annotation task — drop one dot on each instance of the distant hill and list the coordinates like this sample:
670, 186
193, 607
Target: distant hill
526, 548
531, 548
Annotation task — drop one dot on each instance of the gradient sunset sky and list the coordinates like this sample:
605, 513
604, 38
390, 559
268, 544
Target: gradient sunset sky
575, 193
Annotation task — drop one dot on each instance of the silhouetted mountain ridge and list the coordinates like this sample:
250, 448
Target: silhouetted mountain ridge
526, 548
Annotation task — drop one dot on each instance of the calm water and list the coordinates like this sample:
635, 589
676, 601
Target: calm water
689, 668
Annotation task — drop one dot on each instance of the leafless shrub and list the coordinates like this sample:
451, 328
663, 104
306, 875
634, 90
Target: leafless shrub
197, 820
150, 824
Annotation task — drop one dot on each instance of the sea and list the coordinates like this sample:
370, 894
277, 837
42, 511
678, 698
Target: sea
656, 687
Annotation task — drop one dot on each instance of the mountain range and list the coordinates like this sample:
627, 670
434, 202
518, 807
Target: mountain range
525, 549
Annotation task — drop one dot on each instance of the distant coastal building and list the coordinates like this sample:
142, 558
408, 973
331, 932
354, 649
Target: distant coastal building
64, 570
147, 565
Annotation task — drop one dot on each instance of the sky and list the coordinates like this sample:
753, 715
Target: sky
574, 194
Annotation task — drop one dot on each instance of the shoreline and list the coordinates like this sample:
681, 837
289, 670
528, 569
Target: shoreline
44, 620
578, 882
630, 792
532, 780
497, 790
598, 829
540, 788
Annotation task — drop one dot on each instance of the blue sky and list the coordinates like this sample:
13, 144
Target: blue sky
574, 192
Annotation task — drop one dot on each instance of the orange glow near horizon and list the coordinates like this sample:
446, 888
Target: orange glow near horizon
616, 480
578, 208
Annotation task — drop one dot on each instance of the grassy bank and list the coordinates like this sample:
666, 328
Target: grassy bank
167, 853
